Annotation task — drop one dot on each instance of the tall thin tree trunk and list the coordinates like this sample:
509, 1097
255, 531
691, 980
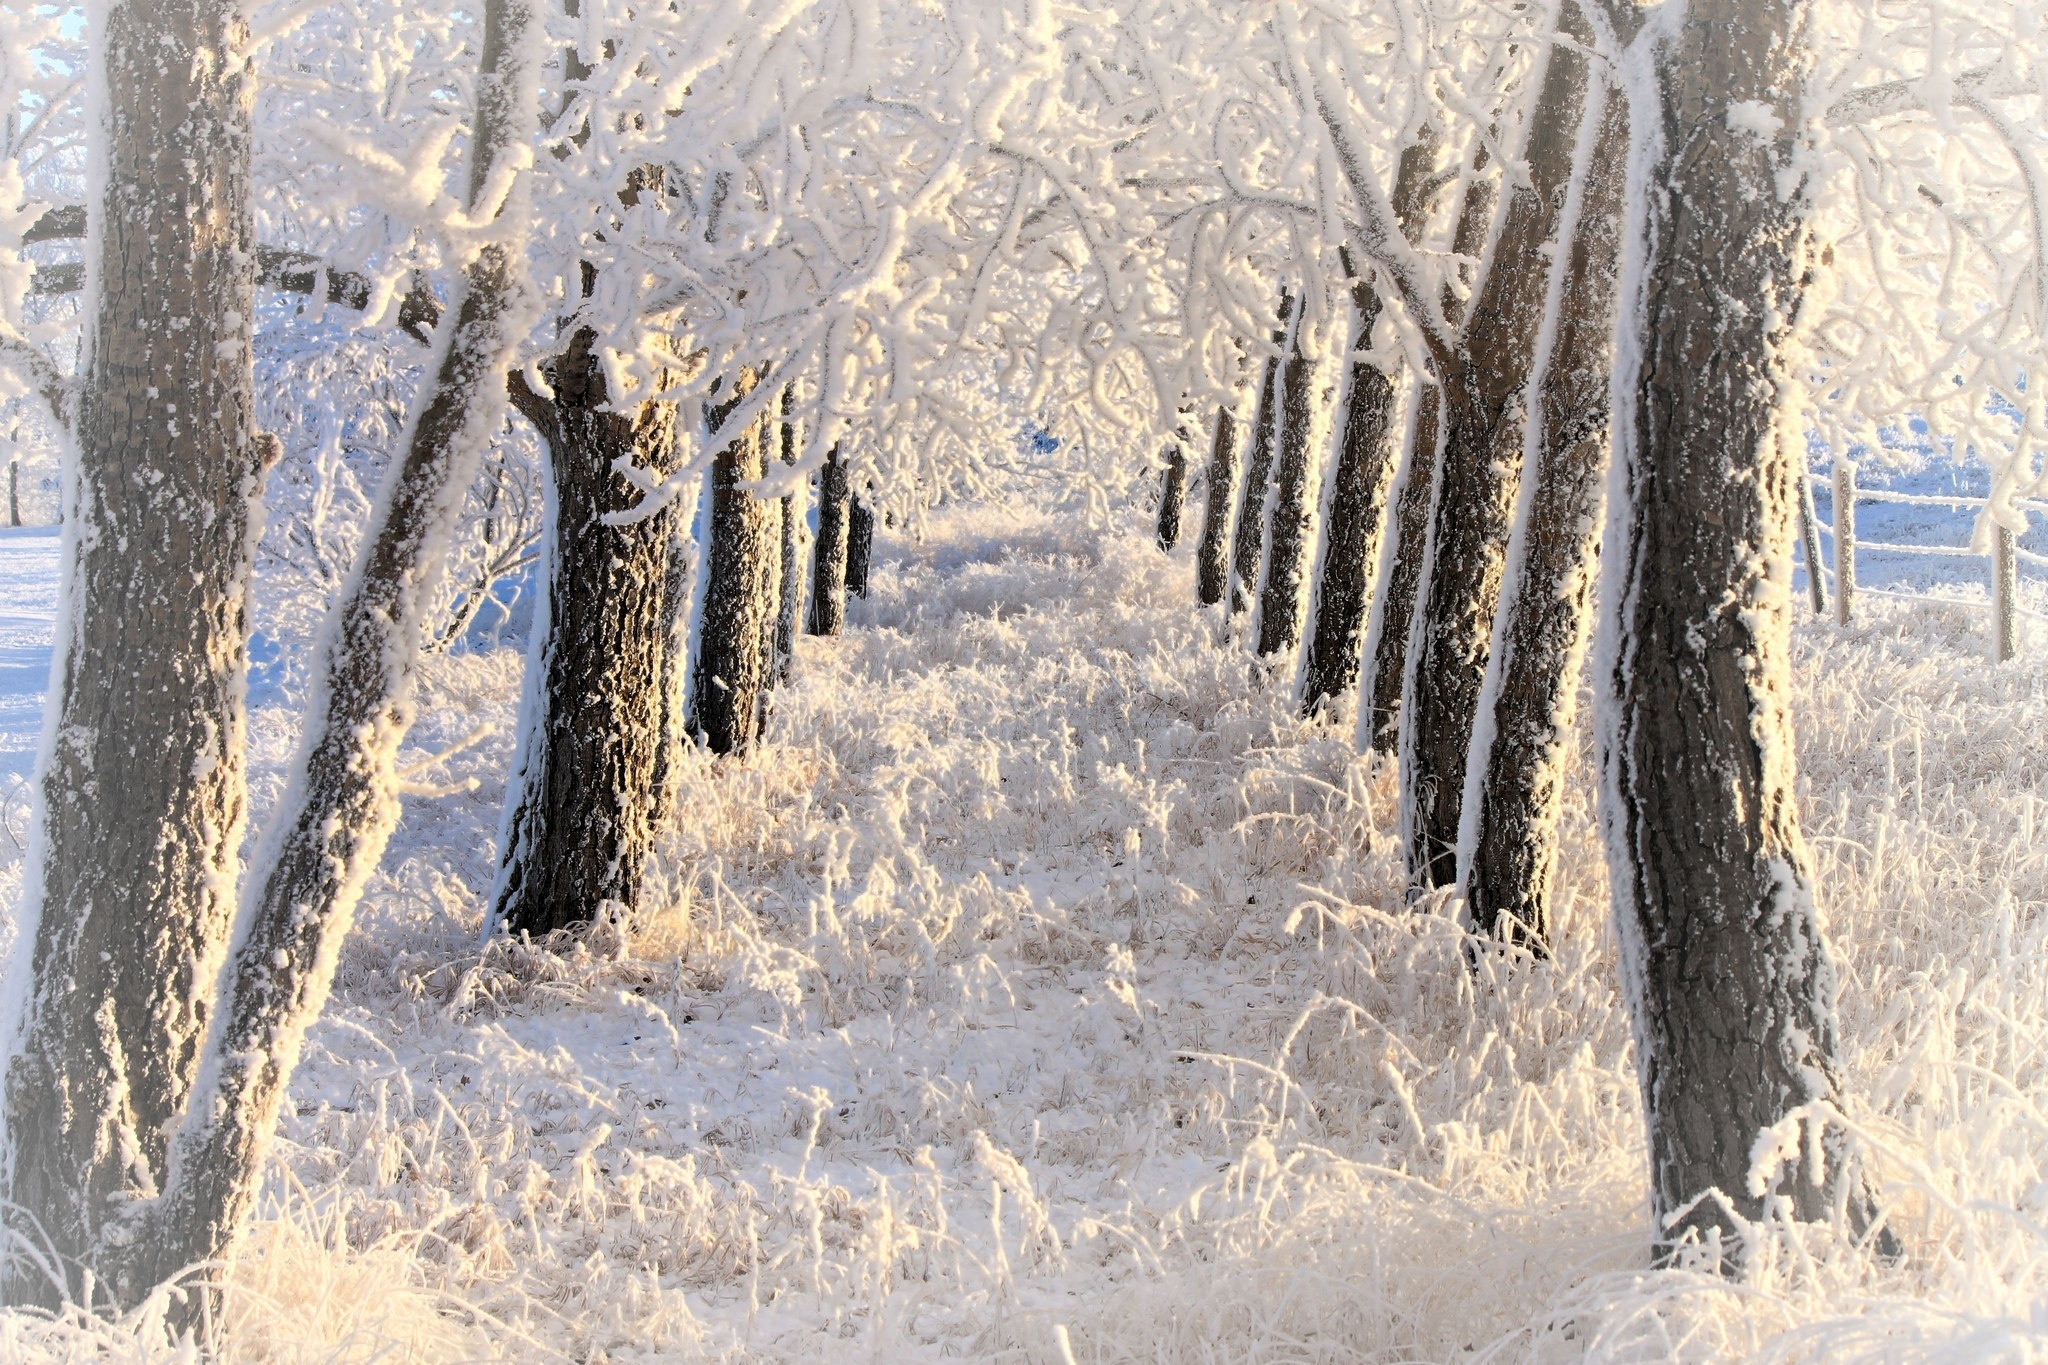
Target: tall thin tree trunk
736, 628
1485, 379
1212, 556
1297, 484
579, 822
1515, 779
829, 556
860, 545
341, 800
1394, 612
794, 531
1248, 551
1173, 480
142, 796
1725, 964
1351, 530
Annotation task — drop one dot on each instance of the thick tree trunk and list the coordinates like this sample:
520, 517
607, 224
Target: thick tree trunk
1514, 781
1248, 549
1173, 480
1212, 556
1724, 961
860, 545
1485, 379
736, 628
829, 555
1387, 641
1297, 486
1351, 530
580, 822
142, 795
341, 800
795, 530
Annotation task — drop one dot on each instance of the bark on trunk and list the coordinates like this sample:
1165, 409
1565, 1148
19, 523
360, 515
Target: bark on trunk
1172, 493
736, 629
580, 822
1297, 484
829, 556
1248, 550
341, 801
1212, 556
1514, 781
1485, 379
142, 799
860, 545
1394, 612
794, 532
1725, 964
1351, 530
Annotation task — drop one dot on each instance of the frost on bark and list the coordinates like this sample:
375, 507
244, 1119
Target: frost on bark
1173, 480
1724, 963
1248, 549
1351, 530
1212, 556
1485, 378
1297, 483
1514, 780
142, 796
1394, 612
730, 673
341, 799
794, 533
580, 821
828, 555
860, 545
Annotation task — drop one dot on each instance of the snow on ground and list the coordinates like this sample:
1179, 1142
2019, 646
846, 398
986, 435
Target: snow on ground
1041, 991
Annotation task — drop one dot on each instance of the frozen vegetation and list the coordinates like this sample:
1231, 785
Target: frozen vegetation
1040, 989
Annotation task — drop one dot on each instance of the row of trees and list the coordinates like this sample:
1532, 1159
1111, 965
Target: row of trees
1396, 281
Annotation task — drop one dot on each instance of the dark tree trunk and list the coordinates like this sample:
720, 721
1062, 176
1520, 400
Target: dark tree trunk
1724, 960
580, 821
1351, 530
793, 532
1485, 379
1248, 552
1290, 524
142, 795
736, 628
860, 545
1212, 556
829, 556
1514, 782
1173, 481
1394, 612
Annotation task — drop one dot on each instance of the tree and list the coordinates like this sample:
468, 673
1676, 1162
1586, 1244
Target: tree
1173, 480
1725, 964
1291, 515
730, 674
1248, 549
829, 553
1212, 554
142, 798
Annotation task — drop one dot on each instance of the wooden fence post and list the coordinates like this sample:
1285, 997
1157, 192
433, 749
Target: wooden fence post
1809, 536
1845, 539
2004, 595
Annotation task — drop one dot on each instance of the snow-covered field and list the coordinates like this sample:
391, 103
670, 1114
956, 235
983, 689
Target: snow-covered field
1041, 992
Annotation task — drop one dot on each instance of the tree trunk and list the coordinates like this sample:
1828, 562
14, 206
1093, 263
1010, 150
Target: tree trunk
736, 628
1515, 779
860, 545
341, 800
1351, 531
829, 555
1297, 485
1173, 481
1724, 961
1387, 640
1248, 552
794, 530
579, 824
142, 795
1485, 380
1212, 556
